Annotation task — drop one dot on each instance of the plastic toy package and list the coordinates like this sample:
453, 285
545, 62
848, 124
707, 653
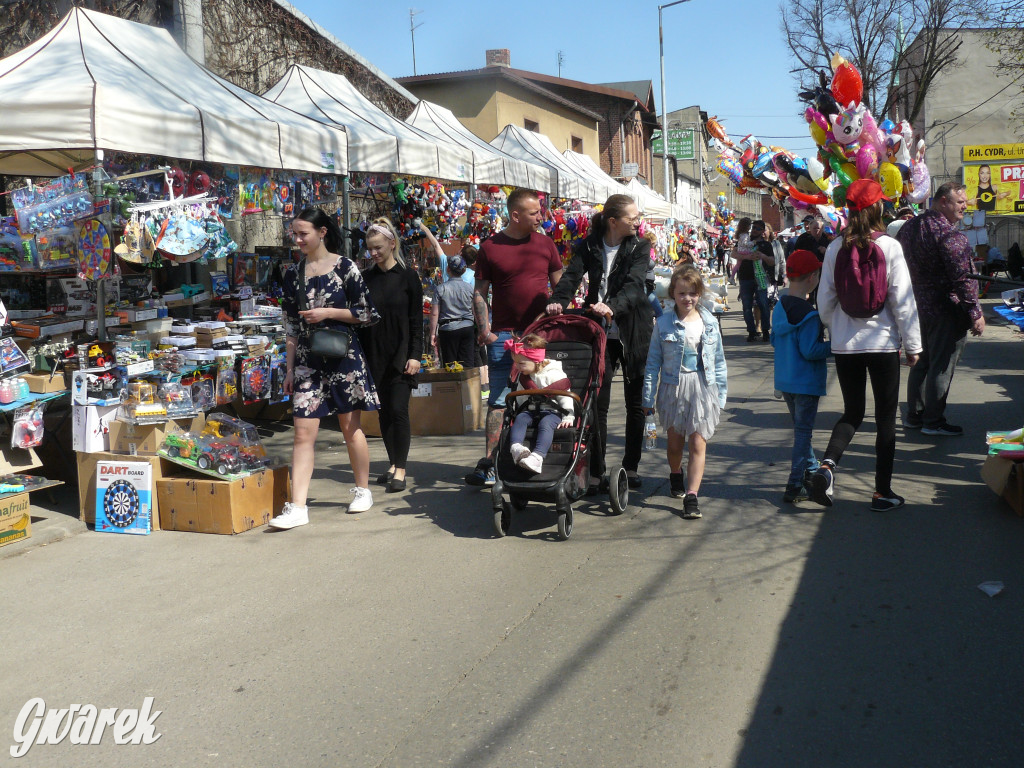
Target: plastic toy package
27, 430
227, 386
255, 379
226, 446
176, 400
139, 404
56, 249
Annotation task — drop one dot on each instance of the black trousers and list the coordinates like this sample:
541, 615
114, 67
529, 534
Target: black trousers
853, 371
458, 346
634, 392
394, 391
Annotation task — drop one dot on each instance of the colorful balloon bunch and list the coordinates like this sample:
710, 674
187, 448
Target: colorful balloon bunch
851, 145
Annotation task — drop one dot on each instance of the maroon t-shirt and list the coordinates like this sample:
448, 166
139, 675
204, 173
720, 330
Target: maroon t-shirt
518, 273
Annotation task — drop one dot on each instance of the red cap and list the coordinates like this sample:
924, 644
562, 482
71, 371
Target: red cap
863, 193
800, 263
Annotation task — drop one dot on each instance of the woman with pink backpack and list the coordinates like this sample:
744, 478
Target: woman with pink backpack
866, 300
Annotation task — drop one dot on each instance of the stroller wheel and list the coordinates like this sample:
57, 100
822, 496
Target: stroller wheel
565, 523
503, 518
618, 491
519, 504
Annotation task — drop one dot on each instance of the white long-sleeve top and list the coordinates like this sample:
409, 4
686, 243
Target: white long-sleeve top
894, 325
550, 376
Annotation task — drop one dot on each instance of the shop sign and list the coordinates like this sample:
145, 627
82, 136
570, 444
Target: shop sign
997, 188
630, 169
680, 143
981, 153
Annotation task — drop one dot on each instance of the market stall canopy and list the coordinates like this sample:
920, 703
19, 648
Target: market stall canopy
586, 166
378, 142
537, 148
653, 204
492, 166
99, 82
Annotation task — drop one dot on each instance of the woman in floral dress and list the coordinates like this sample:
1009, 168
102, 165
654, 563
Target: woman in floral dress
325, 386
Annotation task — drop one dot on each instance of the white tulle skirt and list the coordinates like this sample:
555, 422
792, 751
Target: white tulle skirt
689, 406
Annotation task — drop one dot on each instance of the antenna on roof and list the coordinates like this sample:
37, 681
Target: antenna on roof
561, 61
412, 32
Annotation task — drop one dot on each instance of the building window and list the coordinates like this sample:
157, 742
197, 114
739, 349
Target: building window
531, 125
577, 144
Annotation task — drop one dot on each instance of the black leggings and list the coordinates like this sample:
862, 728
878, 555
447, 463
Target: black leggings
633, 391
458, 346
394, 391
853, 371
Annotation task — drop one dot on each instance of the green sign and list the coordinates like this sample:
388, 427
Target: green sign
680, 143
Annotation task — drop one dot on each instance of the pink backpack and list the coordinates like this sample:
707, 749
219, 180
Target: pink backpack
861, 280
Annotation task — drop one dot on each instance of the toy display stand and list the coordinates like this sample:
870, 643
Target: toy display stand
211, 472
11, 485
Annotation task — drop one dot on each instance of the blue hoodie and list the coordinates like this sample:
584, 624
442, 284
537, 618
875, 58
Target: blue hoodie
800, 353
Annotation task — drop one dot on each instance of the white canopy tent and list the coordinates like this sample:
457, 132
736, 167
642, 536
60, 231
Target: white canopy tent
537, 148
491, 165
585, 166
98, 82
654, 204
378, 142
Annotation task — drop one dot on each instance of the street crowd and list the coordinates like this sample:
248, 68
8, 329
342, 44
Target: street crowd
889, 282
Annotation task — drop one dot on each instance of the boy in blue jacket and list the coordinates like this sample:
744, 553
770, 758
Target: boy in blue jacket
800, 369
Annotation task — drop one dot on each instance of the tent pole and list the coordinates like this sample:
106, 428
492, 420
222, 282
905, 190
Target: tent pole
346, 215
101, 285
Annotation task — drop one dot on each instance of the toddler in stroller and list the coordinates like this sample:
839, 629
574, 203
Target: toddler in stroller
532, 370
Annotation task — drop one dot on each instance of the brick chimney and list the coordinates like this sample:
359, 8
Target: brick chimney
499, 57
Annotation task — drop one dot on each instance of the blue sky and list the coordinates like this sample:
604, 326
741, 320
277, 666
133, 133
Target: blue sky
726, 55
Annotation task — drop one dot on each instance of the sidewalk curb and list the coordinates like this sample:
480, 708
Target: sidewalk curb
47, 531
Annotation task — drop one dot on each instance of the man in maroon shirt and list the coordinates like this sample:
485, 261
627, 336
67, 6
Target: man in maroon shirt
940, 261
516, 265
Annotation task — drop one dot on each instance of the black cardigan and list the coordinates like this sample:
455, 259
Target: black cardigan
626, 294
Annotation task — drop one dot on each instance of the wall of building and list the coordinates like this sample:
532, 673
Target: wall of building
516, 104
474, 102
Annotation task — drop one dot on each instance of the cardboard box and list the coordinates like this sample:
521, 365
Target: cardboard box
1006, 478
87, 483
124, 497
442, 404
18, 460
146, 439
206, 505
42, 383
15, 518
91, 426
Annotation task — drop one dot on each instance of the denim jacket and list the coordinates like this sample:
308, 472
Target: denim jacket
667, 356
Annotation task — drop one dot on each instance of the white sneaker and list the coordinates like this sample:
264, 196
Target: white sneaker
361, 502
518, 452
532, 462
291, 516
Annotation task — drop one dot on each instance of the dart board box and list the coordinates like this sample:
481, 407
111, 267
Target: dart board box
124, 497
87, 482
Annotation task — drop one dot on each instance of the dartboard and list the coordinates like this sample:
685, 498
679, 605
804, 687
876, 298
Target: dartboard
94, 250
121, 503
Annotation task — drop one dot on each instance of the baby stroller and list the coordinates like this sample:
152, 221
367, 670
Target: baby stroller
577, 342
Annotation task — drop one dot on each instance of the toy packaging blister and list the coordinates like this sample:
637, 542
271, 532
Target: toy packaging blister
227, 447
176, 399
255, 379
27, 430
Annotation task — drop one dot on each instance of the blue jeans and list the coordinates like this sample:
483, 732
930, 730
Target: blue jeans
499, 366
803, 409
749, 293
546, 423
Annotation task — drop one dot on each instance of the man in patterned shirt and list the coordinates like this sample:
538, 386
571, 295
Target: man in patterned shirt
940, 261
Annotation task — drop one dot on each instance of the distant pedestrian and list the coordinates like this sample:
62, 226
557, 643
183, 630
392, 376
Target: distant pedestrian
941, 261
452, 329
800, 368
686, 368
867, 346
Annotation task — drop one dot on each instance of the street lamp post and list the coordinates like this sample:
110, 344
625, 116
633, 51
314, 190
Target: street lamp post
664, 108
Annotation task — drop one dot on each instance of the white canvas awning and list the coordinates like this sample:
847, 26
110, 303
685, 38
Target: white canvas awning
378, 142
585, 166
99, 82
654, 204
537, 148
492, 166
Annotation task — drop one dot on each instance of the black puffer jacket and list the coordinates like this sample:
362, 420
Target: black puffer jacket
626, 295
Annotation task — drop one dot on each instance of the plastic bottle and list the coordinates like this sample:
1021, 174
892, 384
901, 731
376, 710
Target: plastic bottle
23, 390
650, 433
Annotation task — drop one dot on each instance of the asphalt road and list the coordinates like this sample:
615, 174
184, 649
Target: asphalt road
763, 635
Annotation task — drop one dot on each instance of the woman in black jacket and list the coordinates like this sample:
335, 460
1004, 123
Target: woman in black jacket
615, 262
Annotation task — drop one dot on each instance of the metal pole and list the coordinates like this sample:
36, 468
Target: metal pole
699, 137
664, 109
346, 214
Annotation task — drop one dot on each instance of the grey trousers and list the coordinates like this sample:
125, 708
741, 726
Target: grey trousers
944, 340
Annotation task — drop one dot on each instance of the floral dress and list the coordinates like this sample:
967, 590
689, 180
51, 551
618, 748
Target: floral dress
324, 386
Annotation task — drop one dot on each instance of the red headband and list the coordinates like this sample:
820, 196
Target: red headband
536, 354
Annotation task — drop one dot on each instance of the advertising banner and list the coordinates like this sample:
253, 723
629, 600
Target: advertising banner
994, 177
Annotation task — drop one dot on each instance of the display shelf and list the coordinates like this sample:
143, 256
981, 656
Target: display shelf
29, 484
35, 397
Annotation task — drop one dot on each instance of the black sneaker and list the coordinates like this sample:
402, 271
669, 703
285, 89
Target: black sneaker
880, 503
913, 421
482, 476
634, 481
795, 492
944, 429
821, 486
677, 484
752, 337
691, 509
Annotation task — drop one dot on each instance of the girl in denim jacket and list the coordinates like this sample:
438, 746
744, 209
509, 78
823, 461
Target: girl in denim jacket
686, 354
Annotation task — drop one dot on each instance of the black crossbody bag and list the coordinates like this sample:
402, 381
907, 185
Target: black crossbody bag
325, 342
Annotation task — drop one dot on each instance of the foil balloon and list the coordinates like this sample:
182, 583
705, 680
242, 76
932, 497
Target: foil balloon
729, 167
847, 85
887, 126
842, 171
891, 180
816, 170
821, 97
715, 129
817, 198
848, 125
817, 134
839, 196
867, 161
871, 133
922, 182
